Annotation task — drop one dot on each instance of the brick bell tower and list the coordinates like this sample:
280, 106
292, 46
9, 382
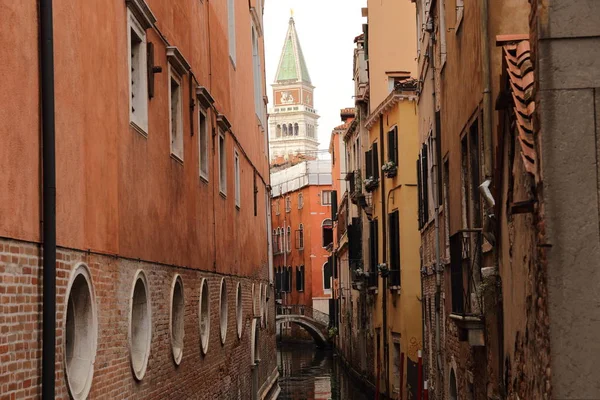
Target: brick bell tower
292, 119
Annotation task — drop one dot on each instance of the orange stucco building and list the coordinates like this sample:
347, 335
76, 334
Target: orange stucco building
302, 230
161, 167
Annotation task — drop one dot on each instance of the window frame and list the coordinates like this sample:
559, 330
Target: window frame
203, 154
325, 289
324, 245
177, 138
222, 164
139, 121
237, 178
300, 201
324, 194
231, 31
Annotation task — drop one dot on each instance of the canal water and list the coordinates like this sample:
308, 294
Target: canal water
309, 373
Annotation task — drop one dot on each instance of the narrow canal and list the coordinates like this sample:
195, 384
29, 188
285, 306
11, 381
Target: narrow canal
309, 373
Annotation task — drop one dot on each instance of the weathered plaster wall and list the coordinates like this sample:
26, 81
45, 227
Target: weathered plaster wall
118, 192
566, 45
392, 44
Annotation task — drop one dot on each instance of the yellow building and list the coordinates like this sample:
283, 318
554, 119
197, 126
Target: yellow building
391, 179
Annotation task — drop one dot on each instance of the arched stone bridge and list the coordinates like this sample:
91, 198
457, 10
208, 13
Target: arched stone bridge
313, 321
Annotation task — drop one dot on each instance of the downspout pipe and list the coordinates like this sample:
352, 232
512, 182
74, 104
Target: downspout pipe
487, 90
436, 217
48, 199
384, 297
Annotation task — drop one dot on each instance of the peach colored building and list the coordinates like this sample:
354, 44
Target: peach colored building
302, 230
161, 201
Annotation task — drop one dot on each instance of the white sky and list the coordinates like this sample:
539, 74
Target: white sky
326, 29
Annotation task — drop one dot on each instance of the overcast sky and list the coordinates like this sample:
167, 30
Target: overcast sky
326, 29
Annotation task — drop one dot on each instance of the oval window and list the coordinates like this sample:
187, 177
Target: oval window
223, 310
81, 332
204, 308
177, 320
239, 310
140, 325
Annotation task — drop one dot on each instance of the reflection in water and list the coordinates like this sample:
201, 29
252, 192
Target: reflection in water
309, 373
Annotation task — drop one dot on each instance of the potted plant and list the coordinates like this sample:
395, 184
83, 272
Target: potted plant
371, 183
389, 169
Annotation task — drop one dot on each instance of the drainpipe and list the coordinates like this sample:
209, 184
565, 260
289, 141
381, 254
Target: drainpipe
436, 217
48, 199
386, 354
487, 90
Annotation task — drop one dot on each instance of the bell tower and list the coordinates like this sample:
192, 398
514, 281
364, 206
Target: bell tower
292, 119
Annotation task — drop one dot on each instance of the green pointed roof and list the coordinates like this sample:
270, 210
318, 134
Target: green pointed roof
292, 66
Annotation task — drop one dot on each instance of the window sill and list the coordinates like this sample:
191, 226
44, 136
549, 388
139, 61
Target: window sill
222, 194
237, 207
204, 179
139, 129
177, 158
232, 63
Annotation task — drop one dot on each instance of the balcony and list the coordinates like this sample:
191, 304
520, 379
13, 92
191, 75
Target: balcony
353, 179
465, 268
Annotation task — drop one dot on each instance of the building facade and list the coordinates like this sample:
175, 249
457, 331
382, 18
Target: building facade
293, 119
163, 287
497, 219
302, 230
380, 333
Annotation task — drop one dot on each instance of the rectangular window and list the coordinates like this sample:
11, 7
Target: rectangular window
368, 164
376, 163
176, 115
236, 168
393, 145
300, 278
203, 144
222, 165
255, 191
288, 204
259, 104
373, 245
394, 237
231, 29
425, 183
326, 197
327, 232
138, 78
456, 273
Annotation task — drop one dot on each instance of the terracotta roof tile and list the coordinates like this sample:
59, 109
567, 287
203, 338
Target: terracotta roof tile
517, 56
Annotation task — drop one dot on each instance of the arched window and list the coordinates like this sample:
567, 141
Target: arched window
289, 239
296, 129
300, 278
285, 131
301, 237
327, 274
288, 204
278, 131
453, 392
300, 201
291, 130
327, 227
275, 249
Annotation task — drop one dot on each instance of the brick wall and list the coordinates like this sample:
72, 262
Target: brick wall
198, 376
